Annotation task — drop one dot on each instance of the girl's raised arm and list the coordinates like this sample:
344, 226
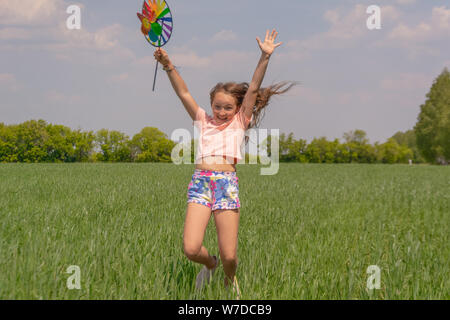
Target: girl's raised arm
177, 82
267, 47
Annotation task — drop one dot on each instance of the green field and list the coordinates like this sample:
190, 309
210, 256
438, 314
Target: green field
309, 232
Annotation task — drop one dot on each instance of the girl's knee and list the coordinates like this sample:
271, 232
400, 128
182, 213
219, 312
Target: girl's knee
191, 251
229, 259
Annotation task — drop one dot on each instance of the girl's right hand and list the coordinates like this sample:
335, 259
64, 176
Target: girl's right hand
162, 57
269, 45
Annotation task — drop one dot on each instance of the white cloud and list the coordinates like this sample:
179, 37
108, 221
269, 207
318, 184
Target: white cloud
45, 20
82, 46
346, 28
103, 39
441, 18
28, 12
390, 14
100, 46
416, 38
189, 59
224, 35
435, 27
405, 33
351, 25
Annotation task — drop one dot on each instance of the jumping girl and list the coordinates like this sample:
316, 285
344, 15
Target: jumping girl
214, 185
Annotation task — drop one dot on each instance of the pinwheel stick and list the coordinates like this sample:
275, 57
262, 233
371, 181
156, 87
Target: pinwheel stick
154, 79
156, 69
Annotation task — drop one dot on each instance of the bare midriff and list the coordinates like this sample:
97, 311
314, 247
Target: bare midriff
216, 163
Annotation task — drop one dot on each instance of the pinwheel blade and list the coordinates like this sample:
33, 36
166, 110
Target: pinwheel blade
156, 25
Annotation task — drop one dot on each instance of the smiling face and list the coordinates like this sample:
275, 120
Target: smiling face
224, 107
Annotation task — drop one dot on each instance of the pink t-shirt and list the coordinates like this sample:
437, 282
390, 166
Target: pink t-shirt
221, 140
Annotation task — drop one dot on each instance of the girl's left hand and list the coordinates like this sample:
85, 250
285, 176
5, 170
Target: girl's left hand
268, 46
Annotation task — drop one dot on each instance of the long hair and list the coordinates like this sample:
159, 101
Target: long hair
238, 91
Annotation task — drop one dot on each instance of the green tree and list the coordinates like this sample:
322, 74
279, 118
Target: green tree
433, 126
290, 150
298, 149
391, 152
8, 146
357, 136
151, 145
322, 151
408, 139
287, 147
358, 148
31, 137
114, 146
83, 143
58, 146
342, 154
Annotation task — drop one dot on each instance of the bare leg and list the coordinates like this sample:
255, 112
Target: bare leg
227, 225
197, 218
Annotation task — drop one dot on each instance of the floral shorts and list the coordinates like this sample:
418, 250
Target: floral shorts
214, 189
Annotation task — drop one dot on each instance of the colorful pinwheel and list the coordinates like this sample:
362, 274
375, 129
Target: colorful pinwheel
157, 24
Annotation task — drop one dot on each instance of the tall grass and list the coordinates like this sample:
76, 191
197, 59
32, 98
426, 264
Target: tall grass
309, 232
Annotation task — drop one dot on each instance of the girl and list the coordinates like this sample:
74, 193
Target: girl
214, 185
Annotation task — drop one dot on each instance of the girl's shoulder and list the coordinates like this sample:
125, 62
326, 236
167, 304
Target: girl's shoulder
200, 115
242, 119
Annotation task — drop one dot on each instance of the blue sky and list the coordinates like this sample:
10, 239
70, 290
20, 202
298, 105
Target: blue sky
101, 76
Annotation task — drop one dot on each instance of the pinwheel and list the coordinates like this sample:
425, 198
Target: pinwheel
156, 24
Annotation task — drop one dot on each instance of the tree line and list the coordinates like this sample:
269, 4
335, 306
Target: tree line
38, 141
427, 142
355, 149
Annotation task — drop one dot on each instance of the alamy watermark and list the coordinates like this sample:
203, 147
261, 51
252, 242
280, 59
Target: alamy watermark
74, 281
258, 147
73, 22
374, 21
374, 279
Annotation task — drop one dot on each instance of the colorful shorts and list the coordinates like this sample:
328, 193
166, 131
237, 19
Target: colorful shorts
214, 189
